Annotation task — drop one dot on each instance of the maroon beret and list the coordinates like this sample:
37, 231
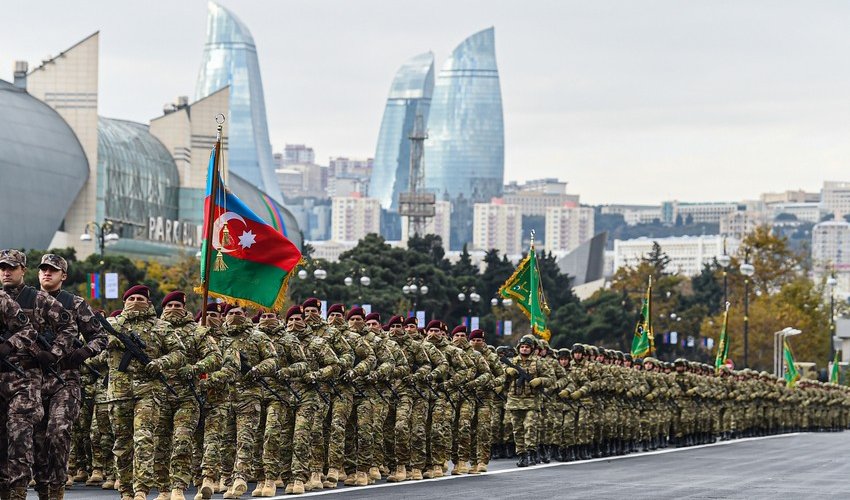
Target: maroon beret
137, 290
175, 296
296, 309
476, 334
256, 318
312, 302
459, 329
386, 327
226, 308
373, 316
434, 323
336, 308
395, 320
115, 313
411, 321
355, 311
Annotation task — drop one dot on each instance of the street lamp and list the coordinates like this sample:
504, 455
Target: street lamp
104, 234
747, 270
363, 281
832, 283
470, 297
778, 346
724, 261
415, 287
319, 274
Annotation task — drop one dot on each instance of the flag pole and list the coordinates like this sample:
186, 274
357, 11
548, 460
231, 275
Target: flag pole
205, 279
533, 287
650, 334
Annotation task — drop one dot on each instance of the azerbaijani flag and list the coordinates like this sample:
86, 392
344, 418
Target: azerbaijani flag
253, 260
94, 286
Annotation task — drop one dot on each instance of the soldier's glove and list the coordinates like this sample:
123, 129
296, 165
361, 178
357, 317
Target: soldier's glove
536, 381
310, 378
348, 376
77, 358
577, 394
564, 394
217, 379
153, 368
253, 375
498, 389
283, 374
186, 372
46, 358
649, 397
511, 371
114, 344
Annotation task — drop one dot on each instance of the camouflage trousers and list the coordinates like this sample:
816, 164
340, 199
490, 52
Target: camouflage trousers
246, 411
286, 450
360, 432
380, 413
102, 439
568, 425
178, 419
134, 424
81, 455
409, 433
317, 436
585, 427
228, 442
340, 413
214, 436
442, 417
20, 410
52, 434
462, 429
524, 423
482, 436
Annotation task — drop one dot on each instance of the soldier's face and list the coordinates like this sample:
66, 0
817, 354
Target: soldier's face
173, 306
335, 317
355, 322
525, 349
295, 322
435, 332
648, 367
313, 312
565, 362
410, 328
478, 343
51, 278
373, 325
396, 330
577, 356
12, 275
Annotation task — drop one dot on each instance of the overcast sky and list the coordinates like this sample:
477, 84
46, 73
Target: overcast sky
629, 101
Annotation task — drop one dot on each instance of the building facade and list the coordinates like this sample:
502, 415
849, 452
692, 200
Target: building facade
695, 213
688, 254
409, 98
497, 225
465, 151
835, 198
536, 196
230, 59
353, 217
567, 227
740, 223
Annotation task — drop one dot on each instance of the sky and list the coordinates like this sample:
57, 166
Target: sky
629, 101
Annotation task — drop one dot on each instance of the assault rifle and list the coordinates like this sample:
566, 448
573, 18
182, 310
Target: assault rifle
245, 367
45, 344
522, 375
134, 348
78, 344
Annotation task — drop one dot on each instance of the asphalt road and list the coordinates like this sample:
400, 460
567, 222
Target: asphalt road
790, 466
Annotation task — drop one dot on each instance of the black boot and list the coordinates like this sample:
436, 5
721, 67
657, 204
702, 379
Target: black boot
523, 460
510, 450
544, 452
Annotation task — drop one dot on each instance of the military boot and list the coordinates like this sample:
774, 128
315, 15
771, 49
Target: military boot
288, 489
96, 478
523, 460
140, 495
81, 476
57, 493
374, 473
332, 477
108, 483
481, 468
18, 493
163, 495
350, 480
177, 494
258, 490
207, 488
415, 475
361, 479
297, 487
315, 482
269, 488
399, 475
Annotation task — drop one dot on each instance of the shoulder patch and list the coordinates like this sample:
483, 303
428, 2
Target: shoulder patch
21, 317
65, 316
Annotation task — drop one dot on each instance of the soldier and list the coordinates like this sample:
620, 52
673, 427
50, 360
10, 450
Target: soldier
525, 376
549, 410
580, 387
247, 347
52, 436
412, 405
267, 322
469, 403
56, 332
502, 430
135, 392
569, 411
487, 393
179, 415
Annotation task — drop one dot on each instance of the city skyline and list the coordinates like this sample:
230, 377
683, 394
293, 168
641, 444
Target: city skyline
654, 95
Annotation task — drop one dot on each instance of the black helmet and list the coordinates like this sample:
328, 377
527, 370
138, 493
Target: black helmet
579, 348
527, 340
680, 362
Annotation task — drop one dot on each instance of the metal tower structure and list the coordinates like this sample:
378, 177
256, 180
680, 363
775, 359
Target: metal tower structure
415, 204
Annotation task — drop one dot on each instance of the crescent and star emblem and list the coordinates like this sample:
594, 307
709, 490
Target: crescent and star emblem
246, 238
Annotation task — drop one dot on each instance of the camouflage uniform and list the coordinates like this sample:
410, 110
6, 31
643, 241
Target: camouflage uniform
20, 399
483, 420
346, 447
481, 380
419, 443
217, 399
524, 399
179, 416
135, 396
442, 408
52, 437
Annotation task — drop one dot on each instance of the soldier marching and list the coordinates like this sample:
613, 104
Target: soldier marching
305, 403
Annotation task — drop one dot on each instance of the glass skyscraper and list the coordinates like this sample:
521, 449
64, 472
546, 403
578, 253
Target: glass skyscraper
230, 58
410, 95
465, 149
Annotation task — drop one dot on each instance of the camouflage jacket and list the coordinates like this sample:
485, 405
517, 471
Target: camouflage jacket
337, 340
420, 365
365, 359
322, 362
161, 345
16, 328
291, 362
521, 395
201, 352
259, 353
481, 379
93, 333
48, 318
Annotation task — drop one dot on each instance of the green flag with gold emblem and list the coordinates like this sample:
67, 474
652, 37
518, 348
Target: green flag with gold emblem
644, 340
834, 374
525, 288
792, 375
723, 343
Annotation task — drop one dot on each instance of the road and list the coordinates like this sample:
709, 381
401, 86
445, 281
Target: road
812, 465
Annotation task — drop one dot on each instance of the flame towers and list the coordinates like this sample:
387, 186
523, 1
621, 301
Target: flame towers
465, 149
230, 58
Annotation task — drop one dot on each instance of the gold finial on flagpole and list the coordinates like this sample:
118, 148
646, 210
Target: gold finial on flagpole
532, 239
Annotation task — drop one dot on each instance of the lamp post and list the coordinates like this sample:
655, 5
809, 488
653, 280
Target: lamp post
747, 270
415, 287
469, 296
832, 283
778, 346
363, 281
319, 274
724, 261
104, 235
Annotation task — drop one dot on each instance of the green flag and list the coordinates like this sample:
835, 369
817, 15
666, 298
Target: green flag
644, 339
834, 374
525, 288
791, 373
723, 343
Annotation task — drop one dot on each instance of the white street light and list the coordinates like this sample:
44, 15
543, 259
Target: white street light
85, 237
320, 274
405, 289
110, 237
724, 260
474, 297
508, 302
494, 302
365, 281
832, 282
414, 288
747, 269
461, 296
302, 274
423, 290
348, 281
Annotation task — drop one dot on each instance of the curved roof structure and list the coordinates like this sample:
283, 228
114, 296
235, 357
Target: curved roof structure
410, 95
139, 174
267, 209
43, 169
230, 58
